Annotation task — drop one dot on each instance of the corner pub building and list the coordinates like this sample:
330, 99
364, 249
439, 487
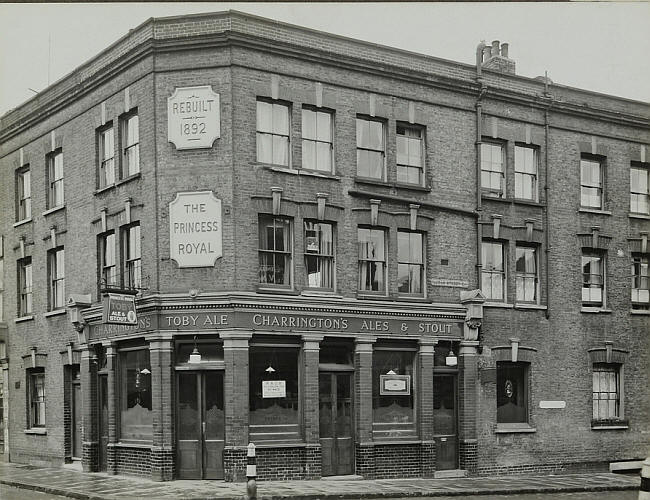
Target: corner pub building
224, 229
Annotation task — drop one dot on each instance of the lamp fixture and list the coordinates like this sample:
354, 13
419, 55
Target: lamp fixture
451, 359
145, 371
391, 372
195, 356
270, 369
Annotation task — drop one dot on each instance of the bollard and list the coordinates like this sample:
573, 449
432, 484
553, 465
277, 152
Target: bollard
251, 473
644, 490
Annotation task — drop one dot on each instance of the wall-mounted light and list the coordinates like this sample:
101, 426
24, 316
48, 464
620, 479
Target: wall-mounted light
451, 359
391, 372
195, 356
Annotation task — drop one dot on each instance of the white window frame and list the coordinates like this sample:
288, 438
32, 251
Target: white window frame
489, 170
320, 256
607, 403
25, 287
321, 141
527, 276
368, 148
286, 254
523, 171
407, 260
37, 409
640, 196
369, 260
587, 297
588, 185
493, 273
130, 136
108, 269
410, 160
132, 252
55, 180
106, 139
276, 135
640, 295
23, 194
56, 278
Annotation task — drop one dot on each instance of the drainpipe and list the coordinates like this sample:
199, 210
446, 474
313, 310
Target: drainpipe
548, 96
479, 135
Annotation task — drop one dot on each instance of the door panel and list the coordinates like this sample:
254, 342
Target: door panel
76, 420
445, 419
337, 444
189, 446
213, 418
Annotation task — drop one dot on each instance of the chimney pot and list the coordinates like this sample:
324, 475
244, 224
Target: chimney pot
486, 53
504, 49
495, 48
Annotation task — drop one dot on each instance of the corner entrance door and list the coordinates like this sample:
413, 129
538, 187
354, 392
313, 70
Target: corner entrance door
444, 421
200, 425
335, 416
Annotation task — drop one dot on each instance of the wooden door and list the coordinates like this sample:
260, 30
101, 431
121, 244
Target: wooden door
336, 423
445, 417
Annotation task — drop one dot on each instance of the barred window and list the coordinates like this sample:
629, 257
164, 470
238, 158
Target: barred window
606, 391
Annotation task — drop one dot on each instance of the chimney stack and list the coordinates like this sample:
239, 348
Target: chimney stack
495, 58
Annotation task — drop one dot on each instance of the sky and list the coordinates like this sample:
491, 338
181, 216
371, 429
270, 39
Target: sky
598, 46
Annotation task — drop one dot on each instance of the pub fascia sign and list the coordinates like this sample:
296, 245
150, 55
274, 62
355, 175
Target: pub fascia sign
119, 309
195, 236
193, 120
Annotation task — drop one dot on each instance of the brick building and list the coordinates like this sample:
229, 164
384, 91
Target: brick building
364, 260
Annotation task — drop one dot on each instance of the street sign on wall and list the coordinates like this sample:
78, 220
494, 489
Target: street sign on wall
193, 117
195, 229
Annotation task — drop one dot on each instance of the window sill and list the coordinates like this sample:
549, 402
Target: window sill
318, 173
36, 430
502, 305
640, 312
532, 203
411, 298
609, 427
105, 189
126, 444
321, 293
52, 210
127, 179
366, 296
21, 222
393, 441
277, 291
595, 310
485, 196
514, 429
277, 168
413, 187
372, 182
280, 444
56, 312
523, 305
24, 318
599, 211
633, 215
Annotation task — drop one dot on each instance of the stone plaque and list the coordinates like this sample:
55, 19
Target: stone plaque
193, 117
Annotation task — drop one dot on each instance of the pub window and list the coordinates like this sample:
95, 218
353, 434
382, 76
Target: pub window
593, 279
24, 286
273, 125
275, 251
640, 188
130, 135
132, 272
526, 274
526, 173
106, 146
107, 262
56, 278
410, 155
493, 272
606, 392
371, 148
372, 260
55, 197
36, 397
23, 194
591, 182
136, 421
317, 144
410, 263
319, 255
392, 394
493, 181
640, 281
274, 396
512, 392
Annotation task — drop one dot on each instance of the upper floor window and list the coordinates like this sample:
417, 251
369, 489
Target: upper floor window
606, 392
273, 132
639, 194
24, 286
130, 145
132, 272
371, 148
372, 260
410, 157
493, 169
640, 282
410, 262
107, 261
56, 278
526, 173
106, 157
512, 392
493, 273
319, 255
23, 194
55, 180
317, 140
591, 183
36, 397
526, 275
593, 279
275, 250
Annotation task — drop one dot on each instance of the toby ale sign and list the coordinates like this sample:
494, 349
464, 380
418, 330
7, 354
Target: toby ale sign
119, 309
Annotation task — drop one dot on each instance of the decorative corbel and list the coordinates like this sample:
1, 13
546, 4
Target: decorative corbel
496, 225
22, 247
594, 236
103, 216
127, 210
514, 349
413, 209
53, 236
321, 198
33, 350
644, 241
529, 229
277, 197
609, 347
374, 211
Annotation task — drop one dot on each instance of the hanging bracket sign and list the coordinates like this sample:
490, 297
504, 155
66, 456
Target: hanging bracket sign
119, 309
195, 229
193, 119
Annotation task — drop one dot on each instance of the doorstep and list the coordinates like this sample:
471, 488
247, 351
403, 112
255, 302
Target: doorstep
347, 477
447, 474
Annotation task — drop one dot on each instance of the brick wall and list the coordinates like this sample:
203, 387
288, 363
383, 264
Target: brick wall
287, 463
133, 461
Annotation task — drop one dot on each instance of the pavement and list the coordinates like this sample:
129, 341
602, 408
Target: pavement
99, 486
